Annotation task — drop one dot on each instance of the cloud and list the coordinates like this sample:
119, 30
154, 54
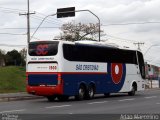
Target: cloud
109, 12
133, 12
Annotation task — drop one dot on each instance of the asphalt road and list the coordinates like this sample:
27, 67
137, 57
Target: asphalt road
144, 102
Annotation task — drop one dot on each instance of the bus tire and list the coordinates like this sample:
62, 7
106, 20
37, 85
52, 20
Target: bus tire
91, 92
81, 93
133, 90
51, 98
63, 97
106, 94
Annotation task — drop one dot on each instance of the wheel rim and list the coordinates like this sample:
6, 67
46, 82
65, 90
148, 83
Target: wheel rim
81, 92
133, 90
91, 92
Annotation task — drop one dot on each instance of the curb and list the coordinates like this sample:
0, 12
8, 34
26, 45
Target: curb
152, 89
19, 98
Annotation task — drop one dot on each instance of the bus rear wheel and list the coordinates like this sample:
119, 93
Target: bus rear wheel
81, 93
133, 91
63, 97
51, 98
106, 94
91, 92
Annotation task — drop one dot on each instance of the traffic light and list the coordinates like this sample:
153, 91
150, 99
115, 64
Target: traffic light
149, 67
66, 12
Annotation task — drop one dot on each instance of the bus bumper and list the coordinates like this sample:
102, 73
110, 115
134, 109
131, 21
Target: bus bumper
45, 90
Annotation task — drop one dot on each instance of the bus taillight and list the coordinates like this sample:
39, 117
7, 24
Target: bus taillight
26, 76
26, 79
59, 79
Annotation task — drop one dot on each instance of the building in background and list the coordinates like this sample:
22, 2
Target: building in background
152, 72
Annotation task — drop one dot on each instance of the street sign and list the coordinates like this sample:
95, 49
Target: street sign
66, 12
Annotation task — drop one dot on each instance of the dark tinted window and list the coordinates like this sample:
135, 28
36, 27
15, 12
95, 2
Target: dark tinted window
141, 64
90, 53
43, 48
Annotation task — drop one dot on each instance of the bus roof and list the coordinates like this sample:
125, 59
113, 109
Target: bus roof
89, 43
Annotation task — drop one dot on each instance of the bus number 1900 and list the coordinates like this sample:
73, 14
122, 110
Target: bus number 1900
52, 67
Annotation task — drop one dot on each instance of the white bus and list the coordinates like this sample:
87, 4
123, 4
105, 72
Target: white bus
59, 69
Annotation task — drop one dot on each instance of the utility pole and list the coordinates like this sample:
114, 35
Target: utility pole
139, 44
28, 21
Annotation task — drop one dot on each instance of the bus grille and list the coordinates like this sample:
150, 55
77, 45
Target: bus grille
37, 80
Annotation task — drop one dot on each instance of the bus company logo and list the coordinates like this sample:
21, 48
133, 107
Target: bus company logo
42, 49
116, 72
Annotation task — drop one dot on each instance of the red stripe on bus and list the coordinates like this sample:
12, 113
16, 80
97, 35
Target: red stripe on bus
67, 72
42, 72
83, 72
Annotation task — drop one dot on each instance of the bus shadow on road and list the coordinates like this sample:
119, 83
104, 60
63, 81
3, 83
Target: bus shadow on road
113, 96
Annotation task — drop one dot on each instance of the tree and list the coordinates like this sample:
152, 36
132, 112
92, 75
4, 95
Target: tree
13, 58
79, 31
1, 54
23, 54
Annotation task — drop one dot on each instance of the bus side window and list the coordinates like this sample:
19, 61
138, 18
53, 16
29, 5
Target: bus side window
141, 64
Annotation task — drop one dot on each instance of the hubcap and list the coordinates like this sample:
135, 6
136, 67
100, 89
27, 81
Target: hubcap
91, 93
81, 92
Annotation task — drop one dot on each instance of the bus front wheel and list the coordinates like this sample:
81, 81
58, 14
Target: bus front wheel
63, 97
51, 98
133, 91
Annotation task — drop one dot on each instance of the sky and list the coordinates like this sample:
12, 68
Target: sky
124, 22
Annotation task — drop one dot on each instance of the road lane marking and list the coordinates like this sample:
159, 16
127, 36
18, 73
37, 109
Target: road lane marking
61, 106
150, 97
158, 103
97, 102
126, 99
12, 111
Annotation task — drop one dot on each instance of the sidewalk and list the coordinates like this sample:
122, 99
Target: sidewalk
17, 96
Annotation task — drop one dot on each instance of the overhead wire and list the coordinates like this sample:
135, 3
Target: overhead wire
9, 45
46, 21
13, 9
119, 24
115, 24
126, 40
23, 28
58, 27
12, 34
17, 11
8, 11
49, 18
57, 22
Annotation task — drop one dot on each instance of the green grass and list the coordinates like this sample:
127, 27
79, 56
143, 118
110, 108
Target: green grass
12, 79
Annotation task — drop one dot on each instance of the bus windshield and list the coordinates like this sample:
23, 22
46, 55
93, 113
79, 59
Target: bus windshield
43, 48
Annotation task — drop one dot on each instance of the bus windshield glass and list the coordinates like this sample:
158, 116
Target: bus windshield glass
43, 48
